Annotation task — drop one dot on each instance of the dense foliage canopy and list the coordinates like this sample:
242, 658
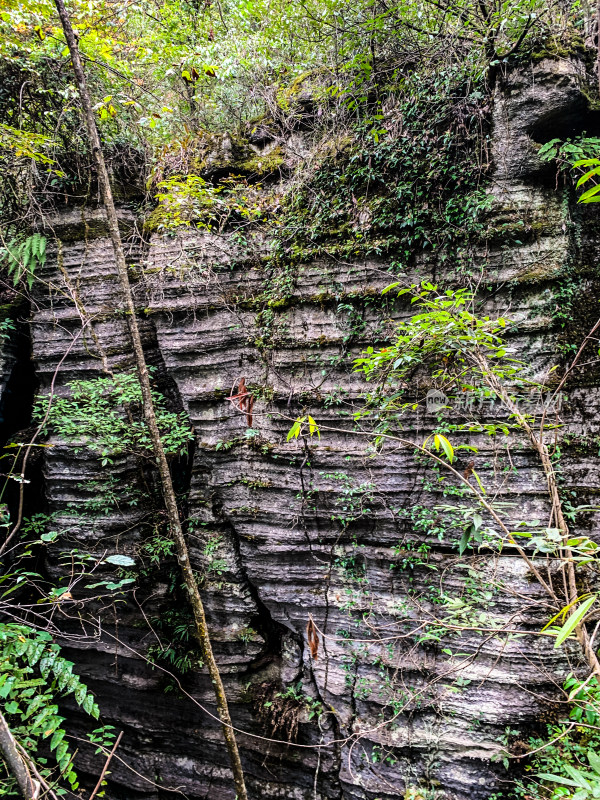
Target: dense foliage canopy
162, 71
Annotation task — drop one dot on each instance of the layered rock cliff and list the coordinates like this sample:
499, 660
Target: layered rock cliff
327, 530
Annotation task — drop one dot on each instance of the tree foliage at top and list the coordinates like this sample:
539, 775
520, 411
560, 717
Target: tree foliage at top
162, 70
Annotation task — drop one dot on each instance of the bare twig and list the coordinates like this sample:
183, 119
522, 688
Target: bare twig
107, 762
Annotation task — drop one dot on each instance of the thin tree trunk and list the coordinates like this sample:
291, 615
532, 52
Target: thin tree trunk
149, 412
29, 788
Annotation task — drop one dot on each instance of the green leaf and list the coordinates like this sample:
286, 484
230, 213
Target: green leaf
46, 663
64, 763
581, 795
88, 704
294, 431
120, 560
111, 585
57, 738
62, 751
464, 540
36, 723
578, 775
34, 652
58, 591
558, 779
594, 760
313, 427
80, 694
574, 620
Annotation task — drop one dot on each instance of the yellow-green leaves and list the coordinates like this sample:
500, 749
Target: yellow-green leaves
479, 483
440, 441
298, 425
574, 619
441, 337
591, 195
105, 109
294, 431
313, 427
26, 145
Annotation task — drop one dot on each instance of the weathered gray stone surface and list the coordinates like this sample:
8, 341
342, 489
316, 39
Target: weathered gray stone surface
273, 505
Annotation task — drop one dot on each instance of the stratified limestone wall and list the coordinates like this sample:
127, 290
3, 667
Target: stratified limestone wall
271, 502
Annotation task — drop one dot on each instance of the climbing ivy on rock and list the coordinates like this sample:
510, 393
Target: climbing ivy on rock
413, 185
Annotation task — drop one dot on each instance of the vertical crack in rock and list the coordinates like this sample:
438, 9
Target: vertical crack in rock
19, 382
270, 630
18, 387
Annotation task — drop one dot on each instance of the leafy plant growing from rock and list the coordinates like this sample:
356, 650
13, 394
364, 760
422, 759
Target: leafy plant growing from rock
587, 783
33, 679
448, 347
462, 352
23, 256
104, 414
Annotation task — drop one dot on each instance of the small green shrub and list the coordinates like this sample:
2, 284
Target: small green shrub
106, 415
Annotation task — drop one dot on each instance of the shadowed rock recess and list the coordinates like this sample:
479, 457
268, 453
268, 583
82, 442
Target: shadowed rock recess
286, 530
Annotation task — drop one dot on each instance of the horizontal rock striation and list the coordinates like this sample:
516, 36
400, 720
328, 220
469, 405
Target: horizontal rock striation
323, 529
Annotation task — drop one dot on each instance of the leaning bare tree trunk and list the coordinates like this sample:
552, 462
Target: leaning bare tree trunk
149, 413
29, 788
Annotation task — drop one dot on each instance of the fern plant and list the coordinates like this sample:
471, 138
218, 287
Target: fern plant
33, 677
23, 256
